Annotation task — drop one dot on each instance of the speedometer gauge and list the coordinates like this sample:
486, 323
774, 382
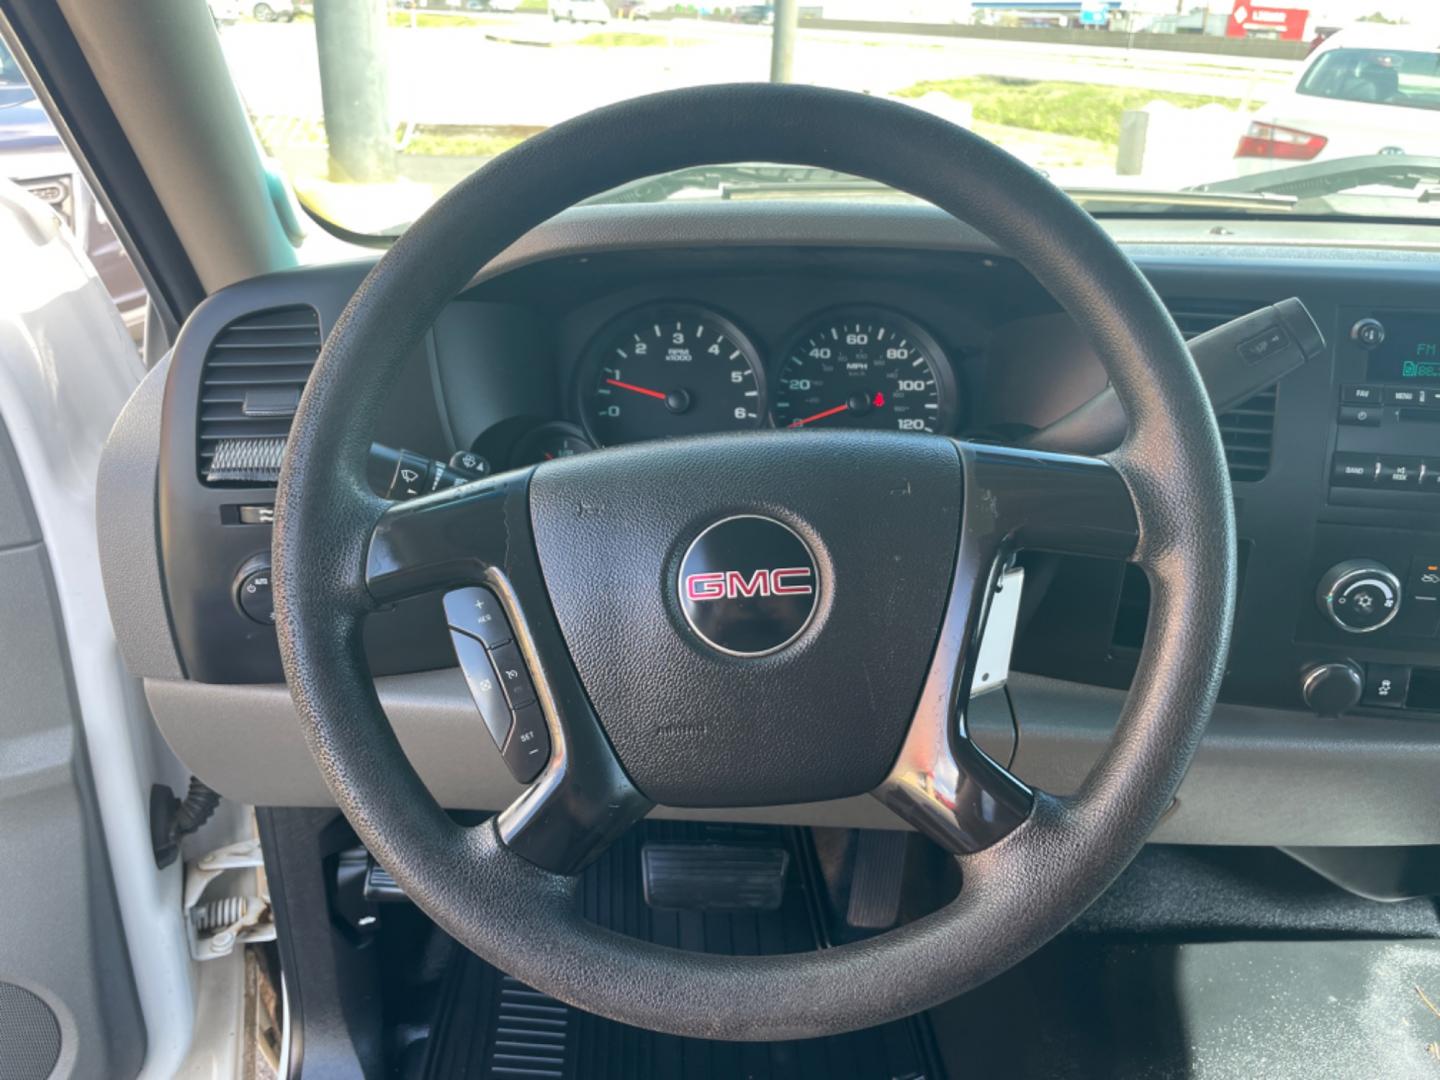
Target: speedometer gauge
674, 370
864, 368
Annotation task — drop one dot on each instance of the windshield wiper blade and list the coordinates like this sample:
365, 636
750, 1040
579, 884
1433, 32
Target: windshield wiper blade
1101, 200
721, 180
769, 189
1318, 179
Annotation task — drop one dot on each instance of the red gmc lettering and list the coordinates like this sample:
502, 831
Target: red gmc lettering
780, 586
732, 584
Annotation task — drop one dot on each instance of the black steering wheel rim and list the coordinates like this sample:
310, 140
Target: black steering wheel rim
1020, 889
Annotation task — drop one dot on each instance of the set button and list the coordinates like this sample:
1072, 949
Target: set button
528, 747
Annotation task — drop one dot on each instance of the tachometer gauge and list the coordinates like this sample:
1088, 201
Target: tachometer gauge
864, 368
674, 370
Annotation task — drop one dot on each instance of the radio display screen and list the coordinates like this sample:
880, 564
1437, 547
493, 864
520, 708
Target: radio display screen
1410, 352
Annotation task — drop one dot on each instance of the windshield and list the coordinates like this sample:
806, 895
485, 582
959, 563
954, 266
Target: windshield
1224, 108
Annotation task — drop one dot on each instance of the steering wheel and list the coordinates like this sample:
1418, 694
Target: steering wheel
858, 682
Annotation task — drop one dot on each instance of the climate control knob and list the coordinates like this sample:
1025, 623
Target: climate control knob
1333, 689
1359, 596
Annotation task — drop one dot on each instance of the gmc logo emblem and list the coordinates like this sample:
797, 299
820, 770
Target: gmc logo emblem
733, 584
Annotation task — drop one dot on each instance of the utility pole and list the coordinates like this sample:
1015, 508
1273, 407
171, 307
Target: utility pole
355, 89
782, 49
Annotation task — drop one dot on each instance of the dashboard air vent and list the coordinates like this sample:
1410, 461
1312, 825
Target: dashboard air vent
254, 373
1248, 430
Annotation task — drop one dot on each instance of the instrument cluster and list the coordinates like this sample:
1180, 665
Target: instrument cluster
670, 369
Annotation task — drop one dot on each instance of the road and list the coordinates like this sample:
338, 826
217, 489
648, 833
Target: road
523, 70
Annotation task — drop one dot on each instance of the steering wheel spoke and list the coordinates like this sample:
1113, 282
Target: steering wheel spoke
480, 535
942, 782
450, 538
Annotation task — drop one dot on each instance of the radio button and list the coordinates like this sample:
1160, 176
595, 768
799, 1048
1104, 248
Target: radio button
1360, 395
1407, 395
1398, 473
1360, 415
1353, 470
1370, 333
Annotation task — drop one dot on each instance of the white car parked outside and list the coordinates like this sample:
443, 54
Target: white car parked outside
1366, 90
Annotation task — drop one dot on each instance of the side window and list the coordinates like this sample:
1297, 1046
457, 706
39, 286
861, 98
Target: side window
33, 157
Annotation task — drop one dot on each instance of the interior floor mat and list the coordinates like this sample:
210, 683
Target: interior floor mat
489, 1026
1084, 1008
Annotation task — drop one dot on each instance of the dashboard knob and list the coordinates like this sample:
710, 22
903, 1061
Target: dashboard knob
1359, 596
1332, 689
252, 591
1369, 333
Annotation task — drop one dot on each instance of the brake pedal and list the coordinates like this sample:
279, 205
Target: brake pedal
714, 877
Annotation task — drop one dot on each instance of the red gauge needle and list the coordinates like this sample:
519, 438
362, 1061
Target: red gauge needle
819, 416
636, 389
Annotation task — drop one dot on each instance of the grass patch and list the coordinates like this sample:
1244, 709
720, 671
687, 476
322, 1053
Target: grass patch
612, 39
480, 142
430, 20
280, 133
1058, 108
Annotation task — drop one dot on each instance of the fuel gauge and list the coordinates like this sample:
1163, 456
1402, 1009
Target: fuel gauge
549, 442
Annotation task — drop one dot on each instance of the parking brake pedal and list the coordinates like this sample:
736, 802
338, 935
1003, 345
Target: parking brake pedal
714, 877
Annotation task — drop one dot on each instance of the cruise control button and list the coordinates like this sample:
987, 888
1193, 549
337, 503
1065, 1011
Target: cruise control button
529, 745
1360, 395
1353, 470
477, 612
513, 677
1360, 415
1263, 344
1398, 473
1386, 685
484, 685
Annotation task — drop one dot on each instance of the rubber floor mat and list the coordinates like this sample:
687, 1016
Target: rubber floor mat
491, 1027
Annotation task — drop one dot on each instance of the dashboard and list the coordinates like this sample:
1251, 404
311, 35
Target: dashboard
686, 344
610, 326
